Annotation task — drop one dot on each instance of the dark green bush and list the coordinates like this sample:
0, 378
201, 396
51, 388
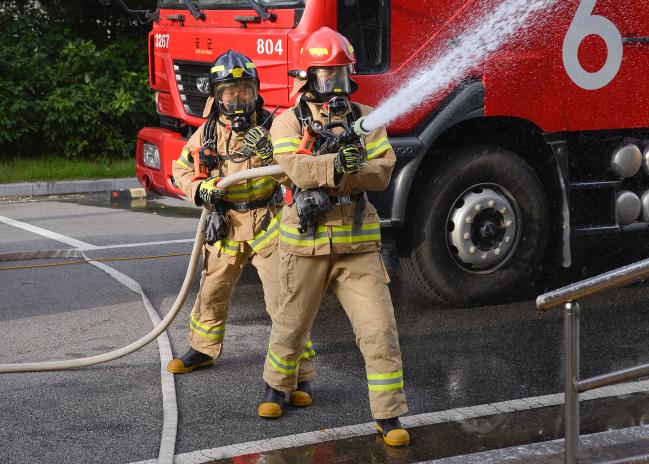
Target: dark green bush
67, 94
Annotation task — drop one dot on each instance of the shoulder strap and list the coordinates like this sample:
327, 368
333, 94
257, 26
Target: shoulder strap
209, 130
303, 113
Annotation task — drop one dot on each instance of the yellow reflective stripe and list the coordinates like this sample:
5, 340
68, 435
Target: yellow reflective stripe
374, 149
218, 68
286, 145
260, 188
318, 51
382, 388
292, 236
385, 382
256, 185
227, 246
389, 375
345, 234
307, 354
264, 237
213, 333
288, 139
281, 365
250, 65
266, 192
184, 163
308, 351
372, 145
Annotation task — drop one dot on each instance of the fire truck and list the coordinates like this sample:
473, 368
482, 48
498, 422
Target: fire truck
546, 141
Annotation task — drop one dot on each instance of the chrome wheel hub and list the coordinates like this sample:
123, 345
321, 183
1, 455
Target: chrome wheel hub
483, 228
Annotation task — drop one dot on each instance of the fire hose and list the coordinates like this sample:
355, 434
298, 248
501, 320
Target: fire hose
349, 134
175, 308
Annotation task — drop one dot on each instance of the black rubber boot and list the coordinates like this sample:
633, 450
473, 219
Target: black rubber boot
393, 432
272, 405
189, 361
302, 395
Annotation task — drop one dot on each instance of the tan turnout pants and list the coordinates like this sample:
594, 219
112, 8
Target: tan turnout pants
359, 280
210, 312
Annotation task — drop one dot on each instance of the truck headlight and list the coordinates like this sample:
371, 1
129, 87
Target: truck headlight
151, 155
203, 85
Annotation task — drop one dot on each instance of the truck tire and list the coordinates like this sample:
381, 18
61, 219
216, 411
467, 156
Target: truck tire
478, 229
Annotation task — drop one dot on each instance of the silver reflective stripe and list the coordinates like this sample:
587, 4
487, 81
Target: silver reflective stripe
286, 145
385, 381
347, 233
214, 331
282, 365
303, 237
375, 151
265, 236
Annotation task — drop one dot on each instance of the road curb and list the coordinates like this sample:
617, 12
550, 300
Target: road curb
37, 189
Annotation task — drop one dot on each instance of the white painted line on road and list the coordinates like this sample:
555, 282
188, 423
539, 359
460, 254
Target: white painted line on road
169, 403
143, 244
451, 415
76, 252
78, 243
47, 233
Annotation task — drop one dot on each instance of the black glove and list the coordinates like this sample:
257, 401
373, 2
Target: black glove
209, 193
258, 141
348, 160
311, 204
216, 228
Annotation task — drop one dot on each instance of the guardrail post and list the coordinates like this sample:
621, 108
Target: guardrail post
571, 371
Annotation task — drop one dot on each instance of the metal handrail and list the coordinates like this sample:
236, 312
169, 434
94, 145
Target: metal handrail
621, 277
568, 296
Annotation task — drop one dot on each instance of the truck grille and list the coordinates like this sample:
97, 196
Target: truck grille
186, 73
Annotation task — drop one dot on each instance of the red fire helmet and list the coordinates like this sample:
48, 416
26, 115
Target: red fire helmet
323, 48
326, 47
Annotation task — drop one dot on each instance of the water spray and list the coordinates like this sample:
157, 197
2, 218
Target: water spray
481, 38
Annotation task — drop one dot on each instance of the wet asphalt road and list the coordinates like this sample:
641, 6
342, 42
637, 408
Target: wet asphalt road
453, 357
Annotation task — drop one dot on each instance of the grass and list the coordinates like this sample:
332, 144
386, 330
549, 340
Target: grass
58, 168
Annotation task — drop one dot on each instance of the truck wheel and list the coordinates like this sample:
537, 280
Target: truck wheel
480, 228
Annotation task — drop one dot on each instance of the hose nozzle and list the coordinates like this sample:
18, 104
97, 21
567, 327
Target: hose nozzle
358, 127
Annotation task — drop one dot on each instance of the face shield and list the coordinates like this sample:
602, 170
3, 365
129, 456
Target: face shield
331, 80
237, 98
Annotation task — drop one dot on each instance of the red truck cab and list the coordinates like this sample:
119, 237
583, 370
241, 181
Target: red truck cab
546, 140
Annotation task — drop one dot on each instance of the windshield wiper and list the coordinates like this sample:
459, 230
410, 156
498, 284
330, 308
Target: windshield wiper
263, 14
193, 9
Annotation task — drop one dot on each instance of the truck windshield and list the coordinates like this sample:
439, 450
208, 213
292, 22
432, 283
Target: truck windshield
243, 4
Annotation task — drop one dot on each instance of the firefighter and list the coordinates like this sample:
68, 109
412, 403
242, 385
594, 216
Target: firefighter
245, 222
330, 235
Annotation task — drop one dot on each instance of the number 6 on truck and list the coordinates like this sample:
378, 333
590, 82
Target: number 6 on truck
583, 25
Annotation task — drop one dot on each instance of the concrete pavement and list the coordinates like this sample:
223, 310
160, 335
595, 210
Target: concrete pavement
38, 189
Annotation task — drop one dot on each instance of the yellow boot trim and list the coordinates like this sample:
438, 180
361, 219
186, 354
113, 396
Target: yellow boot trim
269, 410
300, 399
176, 366
396, 437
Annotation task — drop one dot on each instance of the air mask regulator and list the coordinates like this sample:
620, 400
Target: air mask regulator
338, 105
240, 124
